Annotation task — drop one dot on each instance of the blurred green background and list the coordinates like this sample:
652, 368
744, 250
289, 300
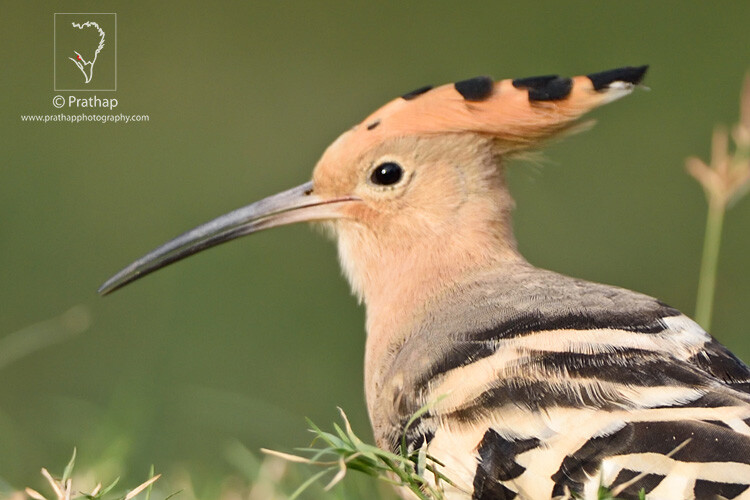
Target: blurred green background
242, 342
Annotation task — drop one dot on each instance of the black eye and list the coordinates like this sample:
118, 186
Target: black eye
387, 173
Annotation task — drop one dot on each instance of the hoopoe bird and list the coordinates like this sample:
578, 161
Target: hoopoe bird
539, 385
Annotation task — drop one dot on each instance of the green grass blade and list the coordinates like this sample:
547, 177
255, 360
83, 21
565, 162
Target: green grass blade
308, 483
69, 468
174, 494
108, 488
150, 475
709, 264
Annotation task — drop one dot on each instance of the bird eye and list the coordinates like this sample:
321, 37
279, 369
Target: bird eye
387, 174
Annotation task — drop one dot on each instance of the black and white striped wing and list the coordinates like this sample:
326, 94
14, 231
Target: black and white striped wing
625, 416
554, 401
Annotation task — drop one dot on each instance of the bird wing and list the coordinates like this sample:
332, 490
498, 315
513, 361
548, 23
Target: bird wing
719, 362
552, 386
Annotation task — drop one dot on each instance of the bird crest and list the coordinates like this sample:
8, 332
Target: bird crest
518, 112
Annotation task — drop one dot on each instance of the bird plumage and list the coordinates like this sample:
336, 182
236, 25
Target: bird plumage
537, 385
561, 384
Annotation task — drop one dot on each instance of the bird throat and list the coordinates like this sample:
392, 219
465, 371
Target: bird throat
401, 283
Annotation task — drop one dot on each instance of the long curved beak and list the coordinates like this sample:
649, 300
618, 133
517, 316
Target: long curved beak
295, 205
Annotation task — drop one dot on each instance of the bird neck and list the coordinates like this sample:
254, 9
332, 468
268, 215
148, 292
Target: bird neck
414, 280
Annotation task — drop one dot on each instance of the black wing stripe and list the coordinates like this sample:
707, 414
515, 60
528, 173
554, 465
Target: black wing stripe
711, 489
564, 379
718, 361
473, 346
710, 400
584, 463
685, 441
643, 321
635, 367
704, 442
497, 463
533, 395
645, 482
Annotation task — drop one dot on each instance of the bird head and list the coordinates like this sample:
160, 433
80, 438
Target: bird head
416, 188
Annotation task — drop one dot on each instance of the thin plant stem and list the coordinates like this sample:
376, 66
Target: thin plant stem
709, 263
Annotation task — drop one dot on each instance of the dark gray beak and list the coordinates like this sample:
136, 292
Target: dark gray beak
295, 205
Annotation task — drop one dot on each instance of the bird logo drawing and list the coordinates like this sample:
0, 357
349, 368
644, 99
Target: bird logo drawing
540, 385
87, 67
